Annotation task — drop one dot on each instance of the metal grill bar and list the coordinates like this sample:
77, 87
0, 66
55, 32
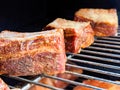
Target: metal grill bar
108, 42
95, 70
91, 77
102, 54
97, 58
11, 87
115, 36
95, 63
110, 38
107, 50
73, 82
106, 45
32, 82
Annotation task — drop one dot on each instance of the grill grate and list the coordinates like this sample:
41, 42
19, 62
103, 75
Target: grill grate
100, 61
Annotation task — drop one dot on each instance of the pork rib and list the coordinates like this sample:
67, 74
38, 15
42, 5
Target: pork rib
23, 54
77, 34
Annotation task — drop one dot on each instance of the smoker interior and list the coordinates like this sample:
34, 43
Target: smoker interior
100, 61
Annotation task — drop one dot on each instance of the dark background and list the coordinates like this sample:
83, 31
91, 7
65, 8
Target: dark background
32, 15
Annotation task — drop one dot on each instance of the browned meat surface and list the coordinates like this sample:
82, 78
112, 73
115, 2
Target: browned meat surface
77, 34
104, 21
32, 53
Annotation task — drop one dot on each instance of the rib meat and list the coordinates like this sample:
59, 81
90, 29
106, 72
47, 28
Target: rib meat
77, 34
23, 54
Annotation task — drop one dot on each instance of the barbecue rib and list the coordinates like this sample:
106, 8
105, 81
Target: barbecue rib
23, 54
103, 21
77, 34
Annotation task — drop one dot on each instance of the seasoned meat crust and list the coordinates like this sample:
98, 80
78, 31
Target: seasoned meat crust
103, 21
33, 63
77, 34
32, 53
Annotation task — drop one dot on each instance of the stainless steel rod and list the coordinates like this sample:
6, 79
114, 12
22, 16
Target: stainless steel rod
92, 77
107, 42
109, 38
95, 63
101, 53
33, 82
95, 70
73, 82
106, 45
97, 58
103, 49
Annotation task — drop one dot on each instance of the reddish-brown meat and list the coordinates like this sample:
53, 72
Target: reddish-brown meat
3, 86
32, 53
104, 21
77, 34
